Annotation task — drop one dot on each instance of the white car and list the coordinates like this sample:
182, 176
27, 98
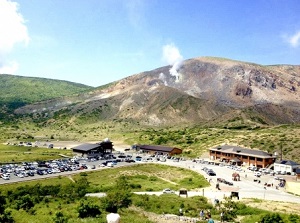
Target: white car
5, 177
168, 191
110, 164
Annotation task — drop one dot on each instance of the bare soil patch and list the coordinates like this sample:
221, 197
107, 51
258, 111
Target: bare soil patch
274, 206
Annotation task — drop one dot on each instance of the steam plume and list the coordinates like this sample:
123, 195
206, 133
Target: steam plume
173, 57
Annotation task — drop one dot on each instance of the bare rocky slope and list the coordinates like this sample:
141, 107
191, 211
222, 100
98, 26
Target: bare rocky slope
201, 90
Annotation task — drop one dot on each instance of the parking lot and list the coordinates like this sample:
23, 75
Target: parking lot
248, 185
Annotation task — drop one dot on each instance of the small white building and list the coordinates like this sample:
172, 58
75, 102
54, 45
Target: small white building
285, 166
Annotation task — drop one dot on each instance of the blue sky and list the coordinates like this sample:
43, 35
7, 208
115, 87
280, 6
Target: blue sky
95, 42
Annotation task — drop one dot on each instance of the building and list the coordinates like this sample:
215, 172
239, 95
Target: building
237, 155
285, 166
159, 150
94, 150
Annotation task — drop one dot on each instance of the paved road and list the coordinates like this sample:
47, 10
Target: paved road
246, 187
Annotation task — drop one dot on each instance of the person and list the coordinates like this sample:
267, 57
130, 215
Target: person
208, 215
222, 216
210, 220
180, 212
113, 218
201, 214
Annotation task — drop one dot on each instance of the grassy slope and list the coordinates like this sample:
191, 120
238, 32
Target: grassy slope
11, 154
31, 89
193, 140
149, 176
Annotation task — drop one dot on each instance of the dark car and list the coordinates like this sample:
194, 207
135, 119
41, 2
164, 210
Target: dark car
138, 158
211, 173
130, 161
40, 172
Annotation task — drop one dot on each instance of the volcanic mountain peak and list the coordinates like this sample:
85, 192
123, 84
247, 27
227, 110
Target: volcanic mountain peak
203, 88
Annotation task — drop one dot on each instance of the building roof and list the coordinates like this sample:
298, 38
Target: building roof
287, 162
86, 147
157, 148
241, 151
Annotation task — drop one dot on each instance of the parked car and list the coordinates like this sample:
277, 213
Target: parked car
110, 164
138, 158
5, 177
130, 161
168, 191
211, 173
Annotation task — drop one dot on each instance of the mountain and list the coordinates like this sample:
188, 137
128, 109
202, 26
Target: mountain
16, 91
201, 90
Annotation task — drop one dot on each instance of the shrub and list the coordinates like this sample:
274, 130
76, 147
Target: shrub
118, 197
60, 218
271, 218
88, 210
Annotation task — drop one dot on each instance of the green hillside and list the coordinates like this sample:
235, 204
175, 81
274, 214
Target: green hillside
16, 91
32, 89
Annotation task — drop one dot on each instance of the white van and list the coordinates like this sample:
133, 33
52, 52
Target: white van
110, 164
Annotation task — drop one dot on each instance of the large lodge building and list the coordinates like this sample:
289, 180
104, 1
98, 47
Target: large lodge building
242, 156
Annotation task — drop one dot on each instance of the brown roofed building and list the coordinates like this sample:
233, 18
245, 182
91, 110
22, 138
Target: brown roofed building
242, 156
94, 150
160, 150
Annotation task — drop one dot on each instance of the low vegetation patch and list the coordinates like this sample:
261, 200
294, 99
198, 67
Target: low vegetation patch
18, 154
62, 200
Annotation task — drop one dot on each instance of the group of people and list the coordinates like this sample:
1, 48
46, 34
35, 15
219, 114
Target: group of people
208, 217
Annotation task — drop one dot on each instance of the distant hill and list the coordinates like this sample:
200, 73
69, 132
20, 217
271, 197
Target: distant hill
205, 90
16, 91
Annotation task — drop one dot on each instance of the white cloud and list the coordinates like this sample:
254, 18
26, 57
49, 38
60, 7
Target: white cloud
9, 67
13, 31
294, 40
172, 56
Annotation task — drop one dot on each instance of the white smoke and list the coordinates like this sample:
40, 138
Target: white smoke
173, 57
13, 31
162, 76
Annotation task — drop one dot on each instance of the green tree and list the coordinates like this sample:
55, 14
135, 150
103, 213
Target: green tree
82, 185
86, 210
75, 190
118, 197
229, 209
26, 203
5, 216
2, 204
